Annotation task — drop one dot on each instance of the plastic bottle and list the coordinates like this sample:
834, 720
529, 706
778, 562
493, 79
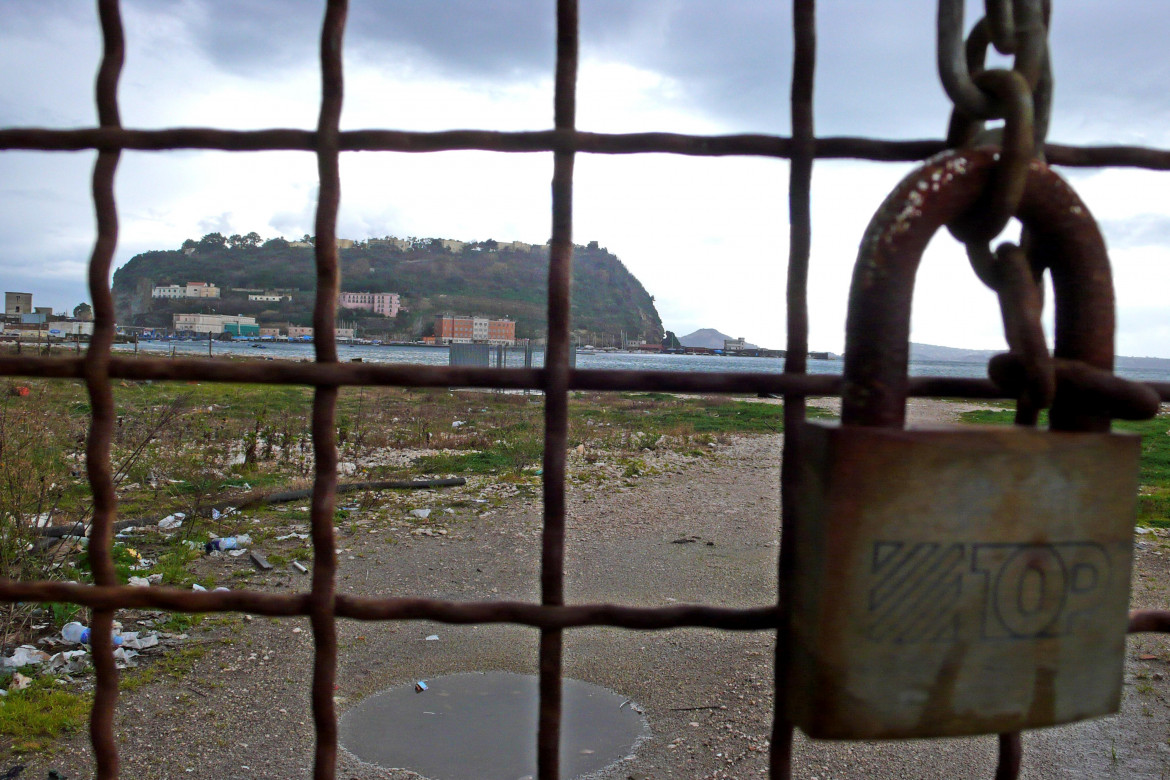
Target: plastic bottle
223, 543
79, 634
75, 633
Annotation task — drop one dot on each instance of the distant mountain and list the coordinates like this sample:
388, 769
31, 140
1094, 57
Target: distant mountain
949, 354
957, 355
433, 276
708, 338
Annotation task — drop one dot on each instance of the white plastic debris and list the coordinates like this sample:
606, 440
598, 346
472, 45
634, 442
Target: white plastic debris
1140, 530
293, 535
243, 540
39, 521
123, 658
171, 522
24, 655
154, 579
237, 553
136, 640
458, 424
139, 582
422, 514
199, 588
433, 638
19, 682
69, 662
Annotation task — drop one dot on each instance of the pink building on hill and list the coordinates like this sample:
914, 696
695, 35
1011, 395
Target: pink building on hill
386, 304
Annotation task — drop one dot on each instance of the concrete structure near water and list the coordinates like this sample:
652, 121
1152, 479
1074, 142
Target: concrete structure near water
215, 324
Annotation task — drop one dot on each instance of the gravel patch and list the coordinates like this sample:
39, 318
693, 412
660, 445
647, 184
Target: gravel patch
685, 529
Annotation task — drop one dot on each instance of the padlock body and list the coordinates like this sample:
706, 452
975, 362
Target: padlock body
958, 581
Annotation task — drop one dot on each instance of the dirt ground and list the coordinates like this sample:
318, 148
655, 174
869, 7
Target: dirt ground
242, 709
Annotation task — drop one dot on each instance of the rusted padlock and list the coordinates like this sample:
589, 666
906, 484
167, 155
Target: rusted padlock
974, 579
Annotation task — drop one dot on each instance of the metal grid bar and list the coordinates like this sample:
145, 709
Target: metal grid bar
97, 381
322, 599
345, 374
323, 605
796, 356
746, 144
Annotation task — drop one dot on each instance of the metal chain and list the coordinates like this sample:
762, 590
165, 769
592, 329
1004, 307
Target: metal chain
1022, 97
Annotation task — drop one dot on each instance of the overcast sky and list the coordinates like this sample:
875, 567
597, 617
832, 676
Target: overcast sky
707, 237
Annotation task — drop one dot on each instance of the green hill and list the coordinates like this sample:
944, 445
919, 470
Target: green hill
483, 278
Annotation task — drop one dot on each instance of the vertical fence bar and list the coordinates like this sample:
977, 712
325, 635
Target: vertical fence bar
552, 573
1011, 752
324, 586
97, 382
796, 360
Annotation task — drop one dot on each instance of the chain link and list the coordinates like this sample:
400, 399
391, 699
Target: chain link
1022, 97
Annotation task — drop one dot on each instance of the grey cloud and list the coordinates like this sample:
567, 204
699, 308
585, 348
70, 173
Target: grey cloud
221, 223
1139, 230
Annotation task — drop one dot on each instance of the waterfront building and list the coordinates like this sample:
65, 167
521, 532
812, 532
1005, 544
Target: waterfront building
457, 329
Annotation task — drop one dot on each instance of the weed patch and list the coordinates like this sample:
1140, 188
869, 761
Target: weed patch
36, 716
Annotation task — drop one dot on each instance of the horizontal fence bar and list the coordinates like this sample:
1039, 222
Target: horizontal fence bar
376, 374
365, 608
1149, 620
756, 145
438, 610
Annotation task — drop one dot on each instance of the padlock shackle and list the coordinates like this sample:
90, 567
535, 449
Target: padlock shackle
1065, 239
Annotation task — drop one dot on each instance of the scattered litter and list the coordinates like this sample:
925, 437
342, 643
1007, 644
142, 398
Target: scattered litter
171, 522
422, 514
221, 588
139, 582
197, 587
20, 682
293, 535
78, 633
350, 508
154, 579
69, 662
123, 658
222, 543
237, 553
40, 521
458, 424
260, 560
1141, 530
134, 640
300, 567
420, 686
1147, 657
24, 655
433, 638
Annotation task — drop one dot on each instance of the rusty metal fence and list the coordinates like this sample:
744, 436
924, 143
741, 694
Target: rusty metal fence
322, 603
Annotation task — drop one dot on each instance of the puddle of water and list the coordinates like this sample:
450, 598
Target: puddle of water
482, 726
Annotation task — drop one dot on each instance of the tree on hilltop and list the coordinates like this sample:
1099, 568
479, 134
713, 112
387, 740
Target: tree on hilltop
212, 242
